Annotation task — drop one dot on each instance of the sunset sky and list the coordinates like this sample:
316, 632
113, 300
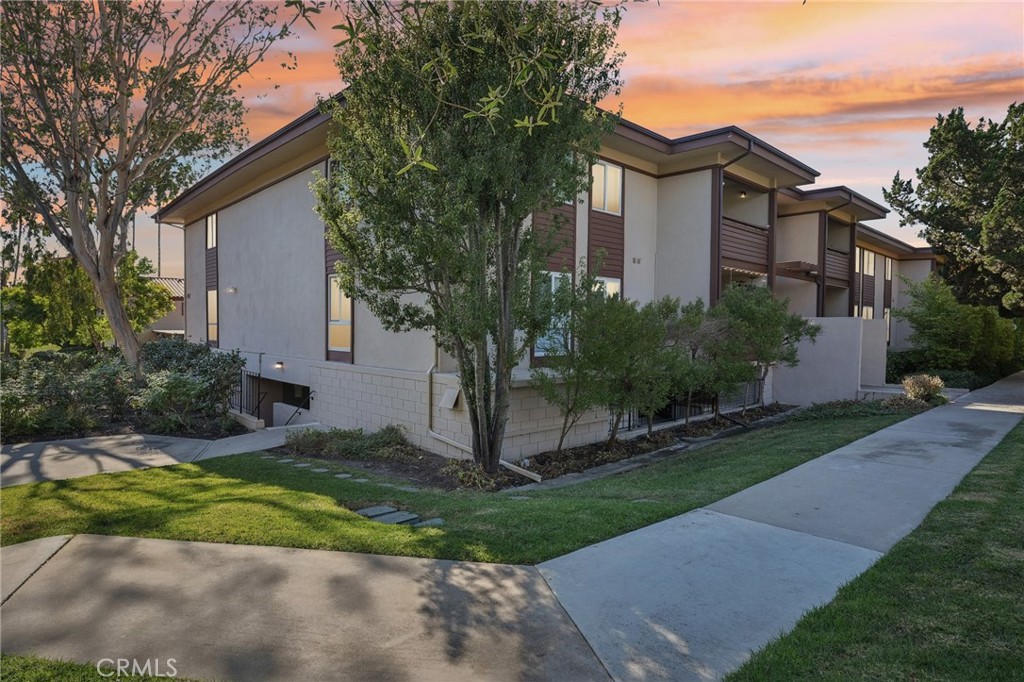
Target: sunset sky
850, 88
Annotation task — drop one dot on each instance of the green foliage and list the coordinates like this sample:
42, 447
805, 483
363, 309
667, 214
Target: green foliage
969, 201
764, 328
387, 443
64, 394
950, 335
171, 400
57, 303
847, 409
110, 108
460, 120
923, 387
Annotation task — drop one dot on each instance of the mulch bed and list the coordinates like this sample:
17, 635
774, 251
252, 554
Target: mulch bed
576, 460
424, 468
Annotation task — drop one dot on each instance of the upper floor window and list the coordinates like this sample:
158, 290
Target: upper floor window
869, 263
606, 191
339, 317
858, 260
888, 269
211, 231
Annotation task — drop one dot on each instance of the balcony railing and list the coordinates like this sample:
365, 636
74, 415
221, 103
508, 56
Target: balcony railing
837, 265
744, 245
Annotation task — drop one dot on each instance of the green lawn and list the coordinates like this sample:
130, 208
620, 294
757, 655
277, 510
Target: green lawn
946, 603
249, 500
35, 669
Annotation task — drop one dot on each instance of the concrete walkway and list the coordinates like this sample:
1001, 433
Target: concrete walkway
62, 459
685, 599
267, 613
689, 598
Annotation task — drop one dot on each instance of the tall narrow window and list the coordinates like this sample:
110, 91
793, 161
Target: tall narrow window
553, 341
869, 263
612, 286
858, 260
887, 315
212, 327
339, 321
606, 192
888, 269
211, 231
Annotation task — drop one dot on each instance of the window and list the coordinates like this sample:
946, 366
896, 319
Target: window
858, 259
212, 336
211, 231
606, 191
339, 317
856, 310
888, 325
868, 312
612, 286
869, 263
553, 341
888, 269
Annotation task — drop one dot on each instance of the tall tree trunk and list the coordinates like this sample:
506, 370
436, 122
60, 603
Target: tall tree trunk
124, 336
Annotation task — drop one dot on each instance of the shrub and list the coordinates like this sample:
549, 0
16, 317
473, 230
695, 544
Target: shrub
218, 371
170, 400
923, 387
387, 443
960, 378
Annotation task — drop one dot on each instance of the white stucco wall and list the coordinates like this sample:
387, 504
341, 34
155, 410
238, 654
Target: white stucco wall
802, 295
872, 353
915, 271
753, 209
195, 282
796, 238
271, 251
641, 237
829, 369
683, 267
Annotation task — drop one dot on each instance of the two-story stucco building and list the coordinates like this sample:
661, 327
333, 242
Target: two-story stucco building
681, 217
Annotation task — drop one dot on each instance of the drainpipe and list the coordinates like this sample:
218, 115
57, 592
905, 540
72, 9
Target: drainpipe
455, 444
430, 409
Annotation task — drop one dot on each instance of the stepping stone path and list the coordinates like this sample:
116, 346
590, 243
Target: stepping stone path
285, 461
319, 471
343, 475
386, 514
303, 464
360, 480
268, 457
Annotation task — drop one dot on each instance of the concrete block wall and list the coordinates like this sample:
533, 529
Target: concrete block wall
354, 396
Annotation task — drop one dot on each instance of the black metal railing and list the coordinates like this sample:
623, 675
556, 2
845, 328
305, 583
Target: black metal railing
248, 394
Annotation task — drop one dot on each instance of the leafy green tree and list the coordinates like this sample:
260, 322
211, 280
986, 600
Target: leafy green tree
57, 303
766, 331
110, 105
692, 333
459, 121
627, 347
952, 336
568, 379
969, 201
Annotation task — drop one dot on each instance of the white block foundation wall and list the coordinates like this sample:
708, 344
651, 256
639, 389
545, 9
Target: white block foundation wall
353, 396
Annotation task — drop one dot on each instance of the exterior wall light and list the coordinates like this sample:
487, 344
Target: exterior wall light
278, 365
743, 194
232, 290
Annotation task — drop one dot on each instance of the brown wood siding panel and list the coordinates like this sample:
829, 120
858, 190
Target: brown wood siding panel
869, 291
887, 294
607, 232
211, 268
745, 244
564, 257
837, 265
331, 256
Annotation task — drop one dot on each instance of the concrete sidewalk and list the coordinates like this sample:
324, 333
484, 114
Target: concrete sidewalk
268, 613
22, 463
689, 598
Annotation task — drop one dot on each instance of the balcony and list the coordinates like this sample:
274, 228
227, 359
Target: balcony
837, 267
744, 247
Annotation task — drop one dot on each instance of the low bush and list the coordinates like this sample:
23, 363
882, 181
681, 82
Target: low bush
388, 443
170, 400
839, 409
923, 387
960, 378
